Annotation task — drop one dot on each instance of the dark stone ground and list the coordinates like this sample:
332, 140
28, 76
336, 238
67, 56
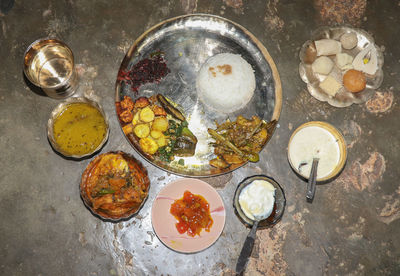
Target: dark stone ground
352, 228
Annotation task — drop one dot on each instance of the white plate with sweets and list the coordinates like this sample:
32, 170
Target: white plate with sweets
341, 65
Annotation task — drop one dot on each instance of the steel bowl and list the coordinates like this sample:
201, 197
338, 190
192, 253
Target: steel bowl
56, 112
279, 207
49, 64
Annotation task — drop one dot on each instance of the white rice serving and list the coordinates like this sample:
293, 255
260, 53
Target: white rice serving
226, 82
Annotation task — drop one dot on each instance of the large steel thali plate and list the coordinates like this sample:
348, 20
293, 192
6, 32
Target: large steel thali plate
187, 42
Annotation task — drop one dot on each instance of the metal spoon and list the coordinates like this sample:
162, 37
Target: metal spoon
311, 185
247, 247
269, 220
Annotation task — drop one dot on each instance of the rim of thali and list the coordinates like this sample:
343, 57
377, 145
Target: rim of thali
274, 71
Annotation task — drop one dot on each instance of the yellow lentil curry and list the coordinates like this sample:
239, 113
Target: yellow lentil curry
79, 129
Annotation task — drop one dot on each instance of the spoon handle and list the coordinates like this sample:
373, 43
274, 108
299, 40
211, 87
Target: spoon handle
312, 180
246, 249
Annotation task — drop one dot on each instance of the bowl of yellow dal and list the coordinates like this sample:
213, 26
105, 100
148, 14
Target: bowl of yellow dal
77, 128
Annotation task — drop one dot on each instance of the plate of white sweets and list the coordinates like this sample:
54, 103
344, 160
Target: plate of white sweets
341, 65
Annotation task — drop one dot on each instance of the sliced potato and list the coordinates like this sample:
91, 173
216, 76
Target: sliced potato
156, 134
142, 130
148, 145
160, 124
135, 119
146, 114
162, 141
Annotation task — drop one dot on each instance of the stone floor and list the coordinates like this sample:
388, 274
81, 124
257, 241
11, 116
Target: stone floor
351, 228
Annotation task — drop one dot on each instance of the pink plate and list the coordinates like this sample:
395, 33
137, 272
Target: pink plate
164, 222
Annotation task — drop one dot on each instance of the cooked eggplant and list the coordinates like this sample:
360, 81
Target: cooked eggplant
185, 144
169, 108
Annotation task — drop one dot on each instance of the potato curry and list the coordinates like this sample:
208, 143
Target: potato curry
157, 127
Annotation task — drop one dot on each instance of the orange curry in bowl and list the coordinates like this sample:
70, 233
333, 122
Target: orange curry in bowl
114, 185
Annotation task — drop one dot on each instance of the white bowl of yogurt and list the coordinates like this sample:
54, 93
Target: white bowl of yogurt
321, 140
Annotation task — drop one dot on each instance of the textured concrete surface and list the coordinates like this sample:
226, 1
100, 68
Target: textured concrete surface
352, 228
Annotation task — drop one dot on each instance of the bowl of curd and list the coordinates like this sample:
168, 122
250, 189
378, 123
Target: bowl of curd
259, 196
320, 140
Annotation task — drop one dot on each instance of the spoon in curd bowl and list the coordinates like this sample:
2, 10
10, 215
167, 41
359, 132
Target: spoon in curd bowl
259, 201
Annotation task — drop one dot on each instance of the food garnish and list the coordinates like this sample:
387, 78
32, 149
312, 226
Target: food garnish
366, 60
114, 185
239, 141
157, 127
193, 214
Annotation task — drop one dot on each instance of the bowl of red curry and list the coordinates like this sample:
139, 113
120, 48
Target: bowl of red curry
114, 186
